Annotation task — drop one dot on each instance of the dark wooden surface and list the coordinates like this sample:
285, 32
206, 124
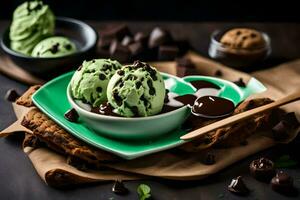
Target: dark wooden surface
19, 180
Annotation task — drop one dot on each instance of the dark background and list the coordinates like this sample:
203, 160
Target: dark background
169, 10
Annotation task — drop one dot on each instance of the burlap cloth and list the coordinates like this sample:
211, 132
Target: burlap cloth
172, 164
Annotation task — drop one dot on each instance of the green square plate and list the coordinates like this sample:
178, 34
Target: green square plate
51, 99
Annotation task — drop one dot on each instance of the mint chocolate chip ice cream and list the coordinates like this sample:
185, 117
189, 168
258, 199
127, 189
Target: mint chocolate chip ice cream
136, 90
89, 82
56, 46
32, 21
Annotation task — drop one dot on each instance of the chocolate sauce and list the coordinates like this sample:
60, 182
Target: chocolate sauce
187, 99
104, 109
212, 106
203, 84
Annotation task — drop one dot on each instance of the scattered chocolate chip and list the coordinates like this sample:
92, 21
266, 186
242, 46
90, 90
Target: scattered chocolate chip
240, 83
282, 182
126, 40
102, 76
159, 37
262, 169
11, 95
209, 159
71, 115
238, 186
167, 52
119, 188
218, 73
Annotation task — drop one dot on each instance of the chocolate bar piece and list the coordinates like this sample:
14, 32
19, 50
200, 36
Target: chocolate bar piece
167, 52
136, 48
238, 186
159, 37
127, 40
11, 95
119, 52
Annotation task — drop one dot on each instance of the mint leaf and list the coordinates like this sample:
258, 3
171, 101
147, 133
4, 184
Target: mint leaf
144, 191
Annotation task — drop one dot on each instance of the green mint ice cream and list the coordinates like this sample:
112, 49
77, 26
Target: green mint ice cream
136, 90
89, 82
32, 21
54, 47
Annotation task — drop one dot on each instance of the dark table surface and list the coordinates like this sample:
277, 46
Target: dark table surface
19, 180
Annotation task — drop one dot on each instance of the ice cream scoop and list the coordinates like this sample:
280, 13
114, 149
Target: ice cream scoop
32, 21
136, 90
54, 47
89, 82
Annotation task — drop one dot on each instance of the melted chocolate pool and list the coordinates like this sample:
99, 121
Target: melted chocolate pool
104, 109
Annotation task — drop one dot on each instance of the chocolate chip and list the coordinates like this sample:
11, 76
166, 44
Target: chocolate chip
71, 115
121, 72
238, 186
282, 182
102, 76
99, 89
262, 169
209, 159
54, 48
138, 64
218, 73
240, 82
119, 188
152, 91
11, 95
138, 84
117, 98
68, 46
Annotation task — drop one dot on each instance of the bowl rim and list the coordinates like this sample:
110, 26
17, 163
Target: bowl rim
85, 48
106, 117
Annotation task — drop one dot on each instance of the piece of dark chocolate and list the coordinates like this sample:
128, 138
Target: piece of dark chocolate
281, 131
240, 82
119, 52
167, 52
262, 169
238, 186
127, 40
159, 37
282, 182
11, 95
141, 37
71, 115
119, 188
136, 48
185, 62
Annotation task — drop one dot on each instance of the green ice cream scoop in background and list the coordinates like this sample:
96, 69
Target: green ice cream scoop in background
32, 21
89, 82
136, 90
54, 47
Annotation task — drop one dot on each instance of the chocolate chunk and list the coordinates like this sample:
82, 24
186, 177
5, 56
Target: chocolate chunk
283, 128
238, 186
240, 83
120, 72
184, 62
127, 40
54, 48
141, 37
209, 159
136, 48
159, 37
102, 76
138, 84
71, 115
262, 169
167, 52
119, 188
117, 98
119, 52
68, 46
138, 64
282, 182
11, 95
218, 73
